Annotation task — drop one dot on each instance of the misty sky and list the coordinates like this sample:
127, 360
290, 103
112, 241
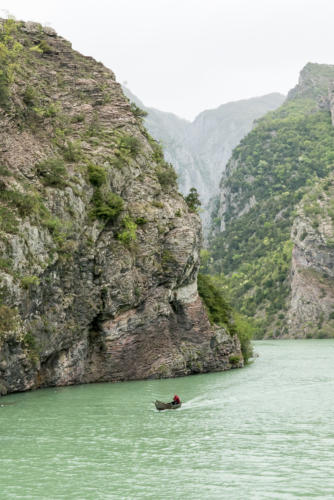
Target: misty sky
185, 56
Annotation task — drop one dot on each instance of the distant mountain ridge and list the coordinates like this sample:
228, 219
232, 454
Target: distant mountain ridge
199, 150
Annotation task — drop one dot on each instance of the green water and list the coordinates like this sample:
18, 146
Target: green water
266, 431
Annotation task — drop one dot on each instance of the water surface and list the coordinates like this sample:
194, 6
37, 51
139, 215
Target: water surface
264, 432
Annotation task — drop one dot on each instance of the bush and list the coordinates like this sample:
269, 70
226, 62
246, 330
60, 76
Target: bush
166, 176
129, 234
30, 96
140, 221
138, 112
218, 309
192, 200
97, 175
234, 359
78, 118
107, 206
9, 52
25, 203
4, 172
8, 319
8, 221
6, 264
130, 145
119, 162
30, 281
221, 313
72, 151
245, 331
52, 172
44, 47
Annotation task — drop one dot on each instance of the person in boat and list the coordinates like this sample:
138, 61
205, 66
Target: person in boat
176, 400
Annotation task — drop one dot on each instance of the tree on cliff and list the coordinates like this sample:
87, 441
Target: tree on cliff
192, 200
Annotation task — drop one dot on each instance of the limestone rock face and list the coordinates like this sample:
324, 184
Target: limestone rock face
99, 253
312, 269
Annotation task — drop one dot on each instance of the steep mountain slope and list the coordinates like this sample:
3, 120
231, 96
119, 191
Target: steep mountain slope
98, 252
199, 150
268, 175
312, 267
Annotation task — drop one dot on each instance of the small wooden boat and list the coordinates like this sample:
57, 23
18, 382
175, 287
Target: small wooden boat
166, 406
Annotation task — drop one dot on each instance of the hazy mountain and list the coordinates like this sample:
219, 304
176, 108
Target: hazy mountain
199, 150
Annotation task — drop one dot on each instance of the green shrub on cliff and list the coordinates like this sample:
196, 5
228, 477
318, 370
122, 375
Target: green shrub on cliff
52, 172
9, 51
72, 151
107, 206
130, 145
138, 112
128, 235
29, 281
97, 175
166, 175
8, 319
221, 313
24, 203
192, 200
44, 47
30, 96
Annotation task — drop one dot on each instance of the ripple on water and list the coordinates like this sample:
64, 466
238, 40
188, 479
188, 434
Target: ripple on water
259, 433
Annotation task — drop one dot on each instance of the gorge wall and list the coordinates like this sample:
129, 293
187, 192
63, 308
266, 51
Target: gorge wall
311, 305
99, 253
272, 236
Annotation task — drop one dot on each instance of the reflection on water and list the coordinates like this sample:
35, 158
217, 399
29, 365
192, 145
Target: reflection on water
262, 432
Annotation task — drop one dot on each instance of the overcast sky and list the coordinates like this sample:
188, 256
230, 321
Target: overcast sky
185, 56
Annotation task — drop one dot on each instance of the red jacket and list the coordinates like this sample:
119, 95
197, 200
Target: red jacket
177, 399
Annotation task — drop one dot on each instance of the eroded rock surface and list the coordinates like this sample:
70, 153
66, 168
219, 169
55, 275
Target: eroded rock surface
99, 253
311, 307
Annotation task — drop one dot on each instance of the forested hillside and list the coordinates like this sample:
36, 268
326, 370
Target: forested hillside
270, 172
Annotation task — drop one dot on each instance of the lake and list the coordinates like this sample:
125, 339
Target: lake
263, 432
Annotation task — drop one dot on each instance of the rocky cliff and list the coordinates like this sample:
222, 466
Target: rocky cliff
200, 150
99, 253
312, 267
287, 154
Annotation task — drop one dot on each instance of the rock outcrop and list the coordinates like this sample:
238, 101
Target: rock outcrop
311, 311
99, 253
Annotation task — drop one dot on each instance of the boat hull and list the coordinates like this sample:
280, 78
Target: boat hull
166, 406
